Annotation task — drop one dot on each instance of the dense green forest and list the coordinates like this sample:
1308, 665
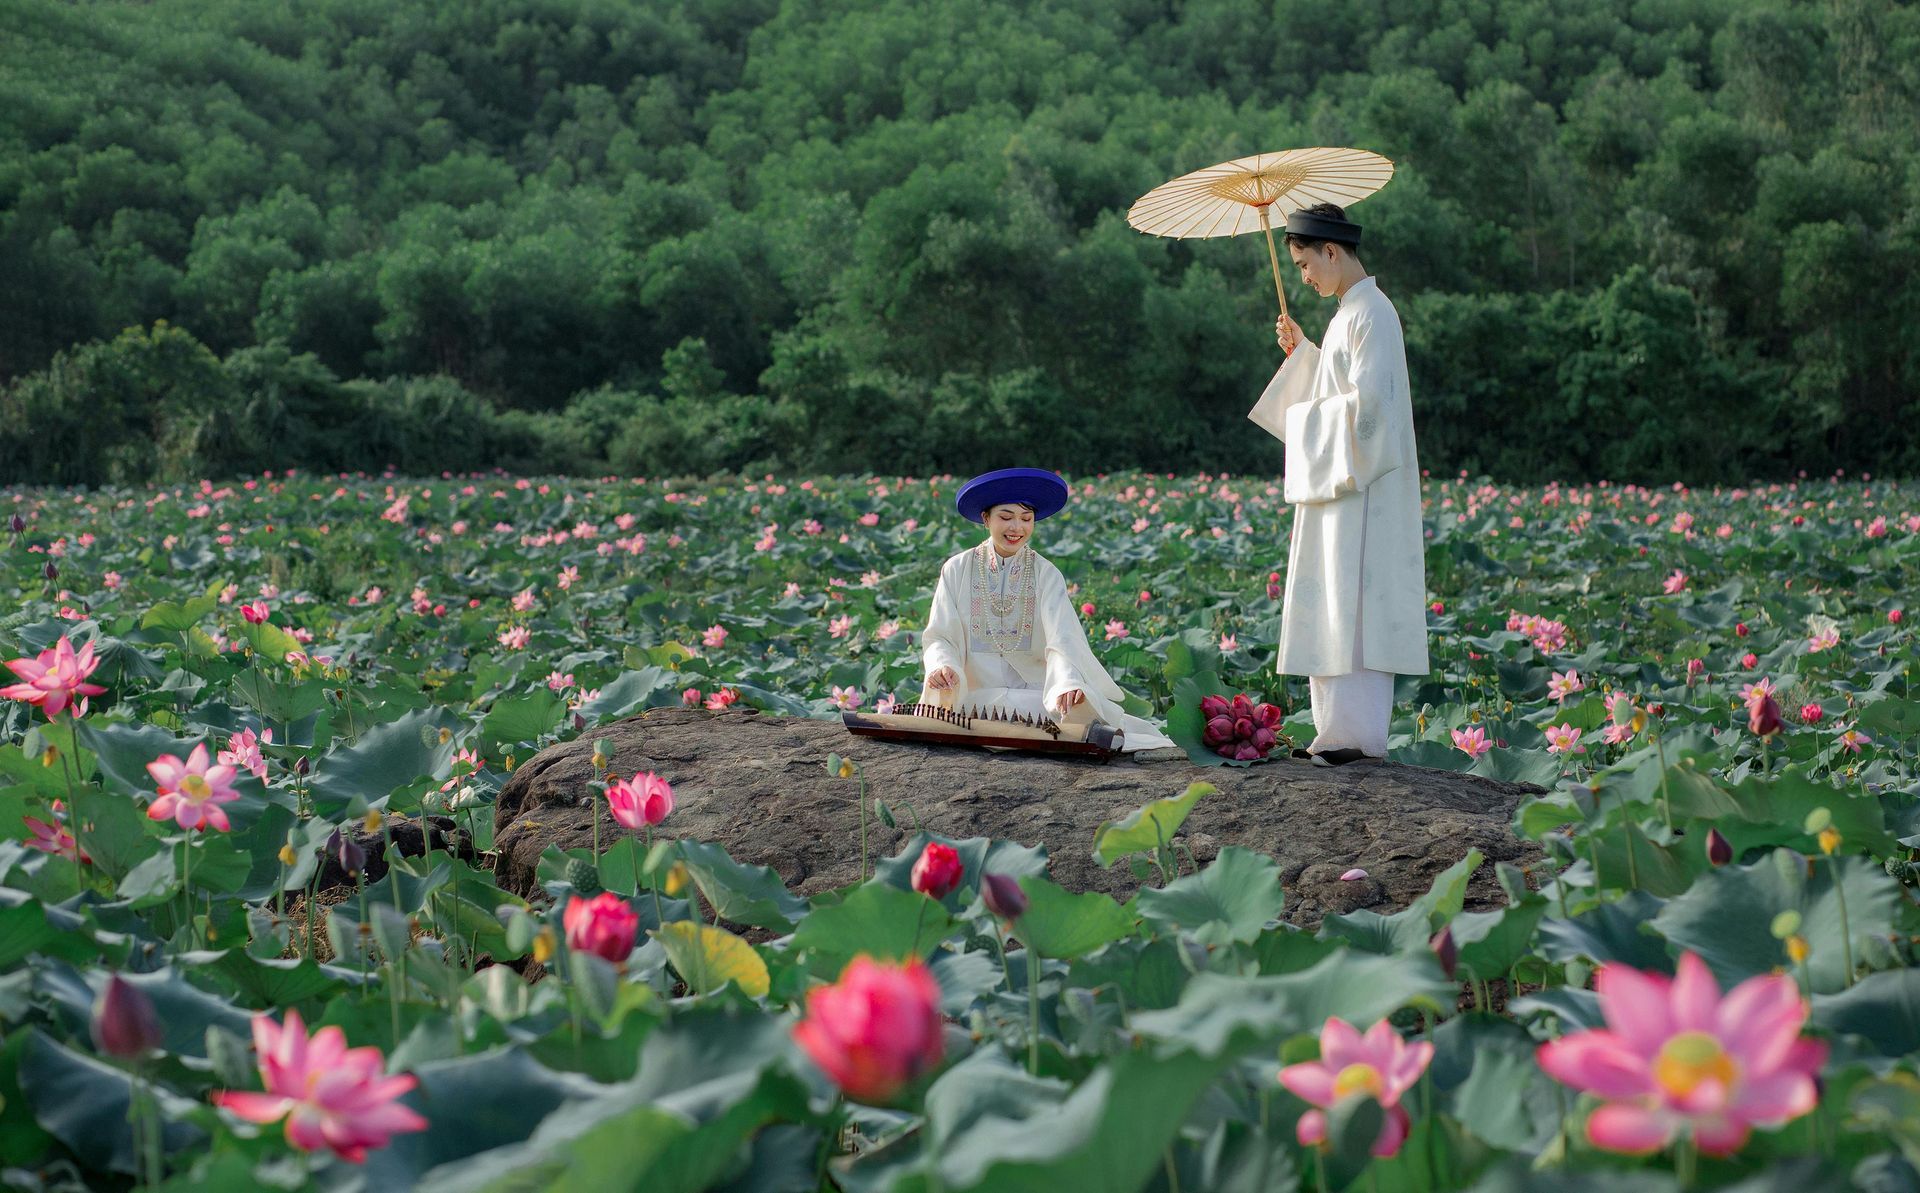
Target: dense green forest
1639, 239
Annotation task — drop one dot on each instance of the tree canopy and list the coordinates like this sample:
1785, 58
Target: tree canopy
1635, 239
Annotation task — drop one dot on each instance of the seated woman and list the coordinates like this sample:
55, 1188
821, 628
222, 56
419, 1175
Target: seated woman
1003, 631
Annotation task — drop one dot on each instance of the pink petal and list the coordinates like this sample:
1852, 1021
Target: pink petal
1624, 1127
1393, 1132
1595, 1061
306, 1128
1720, 1136
1341, 1045
258, 1108
1694, 996
1634, 1005
1310, 1082
1353, 875
1775, 1098
197, 759
211, 814
162, 808
1759, 1021
1311, 1130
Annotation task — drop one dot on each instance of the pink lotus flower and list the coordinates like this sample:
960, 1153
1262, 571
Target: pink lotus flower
714, 638
54, 678
1853, 739
1824, 640
874, 1030
1695, 668
722, 700
191, 792
887, 630
1086, 609
847, 698
937, 870
840, 627
1811, 713
604, 925
1473, 740
1228, 644
1560, 686
255, 612
332, 1096
1895, 616
1379, 1064
243, 751
640, 802
1564, 739
886, 704
568, 576
1675, 582
1749, 660
1675, 1056
515, 638
523, 600
1116, 629
869, 519
54, 838
690, 698
559, 681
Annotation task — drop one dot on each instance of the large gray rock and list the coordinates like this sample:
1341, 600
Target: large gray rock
758, 785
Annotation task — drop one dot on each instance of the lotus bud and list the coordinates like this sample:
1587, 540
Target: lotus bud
1003, 896
1444, 948
49, 570
1719, 849
18, 523
301, 766
347, 851
124, 1021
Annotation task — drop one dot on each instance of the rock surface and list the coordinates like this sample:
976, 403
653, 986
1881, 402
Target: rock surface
758, 785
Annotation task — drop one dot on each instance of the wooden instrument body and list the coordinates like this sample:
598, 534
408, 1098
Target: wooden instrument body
1077, 731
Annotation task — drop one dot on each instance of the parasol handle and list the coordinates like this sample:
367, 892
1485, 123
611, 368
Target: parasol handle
1274, 258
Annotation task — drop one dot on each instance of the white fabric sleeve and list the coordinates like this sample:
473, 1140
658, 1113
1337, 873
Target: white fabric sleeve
1291, 385
1070, 660
946, 633
1340, 443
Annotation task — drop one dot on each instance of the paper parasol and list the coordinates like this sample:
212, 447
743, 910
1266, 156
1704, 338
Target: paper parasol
1233, 197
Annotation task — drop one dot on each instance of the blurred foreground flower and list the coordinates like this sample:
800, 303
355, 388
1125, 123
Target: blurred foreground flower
874, 1030
1677, 1057
1378, 1064
332, 1096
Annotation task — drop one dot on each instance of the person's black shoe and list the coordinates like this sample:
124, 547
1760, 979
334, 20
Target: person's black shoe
1340, 757
1301, 752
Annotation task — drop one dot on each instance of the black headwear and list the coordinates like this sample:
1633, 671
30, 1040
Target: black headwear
1323, 227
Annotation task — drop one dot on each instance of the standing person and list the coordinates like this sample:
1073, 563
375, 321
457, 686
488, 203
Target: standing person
1355, 611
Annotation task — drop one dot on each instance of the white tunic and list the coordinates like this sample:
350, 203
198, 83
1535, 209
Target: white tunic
1014, 639
1352, 474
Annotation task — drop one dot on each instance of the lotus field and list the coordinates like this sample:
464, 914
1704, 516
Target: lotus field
228, 704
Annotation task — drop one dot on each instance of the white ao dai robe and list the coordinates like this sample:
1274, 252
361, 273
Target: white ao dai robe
1357, 554
1008, 629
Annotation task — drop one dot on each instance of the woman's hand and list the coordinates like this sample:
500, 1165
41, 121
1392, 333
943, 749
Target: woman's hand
942, 678
1071, 697
1288, 332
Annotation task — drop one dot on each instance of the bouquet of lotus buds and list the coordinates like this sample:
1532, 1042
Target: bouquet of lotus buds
1238, 729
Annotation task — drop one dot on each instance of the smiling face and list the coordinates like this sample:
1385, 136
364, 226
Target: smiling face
1011, 526
1319, 266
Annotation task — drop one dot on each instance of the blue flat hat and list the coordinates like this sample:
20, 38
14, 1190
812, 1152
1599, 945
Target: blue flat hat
1037, 487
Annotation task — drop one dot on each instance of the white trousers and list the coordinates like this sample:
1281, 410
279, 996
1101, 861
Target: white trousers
1352, 711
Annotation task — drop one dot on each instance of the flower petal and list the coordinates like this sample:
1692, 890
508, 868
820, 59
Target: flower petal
1625, 1127
1595, 1061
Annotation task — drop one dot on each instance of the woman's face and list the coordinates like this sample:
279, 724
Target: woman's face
1011, 526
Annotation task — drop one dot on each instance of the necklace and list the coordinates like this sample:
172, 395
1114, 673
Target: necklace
991, 611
